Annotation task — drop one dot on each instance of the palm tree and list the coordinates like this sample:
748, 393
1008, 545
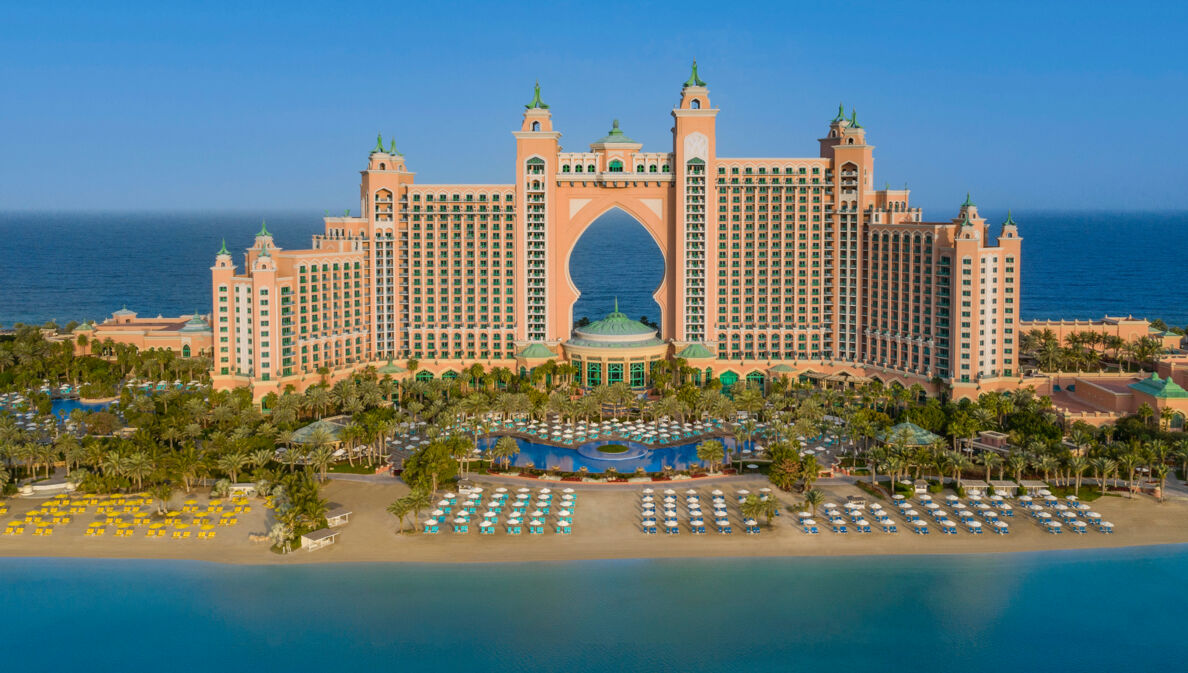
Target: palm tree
138, 466
1159, 472
504, 450
418, 499
400, 508
711, 452
1077, 466
231, 463
813, 498
320, 459
752, 507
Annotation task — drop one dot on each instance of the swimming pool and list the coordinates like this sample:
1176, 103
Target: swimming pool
586, 455
62, 407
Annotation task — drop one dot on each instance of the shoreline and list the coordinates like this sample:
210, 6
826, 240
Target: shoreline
284, 560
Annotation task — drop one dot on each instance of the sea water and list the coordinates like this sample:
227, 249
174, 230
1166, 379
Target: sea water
76, 266
1052, 611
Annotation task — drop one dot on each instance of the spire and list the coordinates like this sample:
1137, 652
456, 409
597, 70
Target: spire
841, 113
264, 251
1010, 221
616, 298
223, 250
694, 80
854, 119
263, 229
968, 201
392, 149
965, 218
379, 143
537, 103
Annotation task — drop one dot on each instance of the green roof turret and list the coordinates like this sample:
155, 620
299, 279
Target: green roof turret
616, 135
379, 143
1010, 221
263, 229
392, 149
537, 103
968, 201
854, 119
694, 80
223, 250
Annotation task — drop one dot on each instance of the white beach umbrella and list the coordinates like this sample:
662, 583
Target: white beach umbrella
437, 512
948, 524
486, 524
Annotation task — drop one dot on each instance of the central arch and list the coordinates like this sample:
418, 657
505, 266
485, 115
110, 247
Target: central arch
578, 208
616, 259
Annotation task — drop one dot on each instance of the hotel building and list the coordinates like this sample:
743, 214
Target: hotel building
773, 266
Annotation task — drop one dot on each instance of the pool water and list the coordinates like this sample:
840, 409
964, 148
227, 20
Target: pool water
62, 407
573, 459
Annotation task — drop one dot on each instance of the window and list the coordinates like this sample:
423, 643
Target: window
535, 126
616, 166
696, 104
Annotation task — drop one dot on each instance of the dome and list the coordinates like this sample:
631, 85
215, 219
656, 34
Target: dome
615, 330
195, 324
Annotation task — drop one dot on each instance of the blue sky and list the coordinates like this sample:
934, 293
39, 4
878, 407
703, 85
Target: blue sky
151, 106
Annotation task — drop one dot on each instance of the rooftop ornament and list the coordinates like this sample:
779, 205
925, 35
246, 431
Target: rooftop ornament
841, 113
854, 119
694, 80
223, 250
379, 143
263, 229
537, 103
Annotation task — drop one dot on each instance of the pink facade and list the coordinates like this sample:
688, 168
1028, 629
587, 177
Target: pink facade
799, 264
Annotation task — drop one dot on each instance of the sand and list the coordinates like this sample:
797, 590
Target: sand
606, 526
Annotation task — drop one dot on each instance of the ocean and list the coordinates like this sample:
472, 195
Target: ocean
1051, 611
80, 266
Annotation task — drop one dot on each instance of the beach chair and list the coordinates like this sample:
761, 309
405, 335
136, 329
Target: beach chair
461, 528
1105, 527
838, 527
486, 530
862, 527
563, 530
536, 530
809, 527
889, 527
725, 530
515, 530
698, 530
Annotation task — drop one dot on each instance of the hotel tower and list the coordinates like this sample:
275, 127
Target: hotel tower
793, 267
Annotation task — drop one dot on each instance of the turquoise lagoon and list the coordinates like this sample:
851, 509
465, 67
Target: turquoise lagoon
1056, 611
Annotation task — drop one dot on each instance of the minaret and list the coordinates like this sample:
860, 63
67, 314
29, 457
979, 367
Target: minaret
693, 285
537, 145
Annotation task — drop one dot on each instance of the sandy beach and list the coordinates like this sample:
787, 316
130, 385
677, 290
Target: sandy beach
605, 527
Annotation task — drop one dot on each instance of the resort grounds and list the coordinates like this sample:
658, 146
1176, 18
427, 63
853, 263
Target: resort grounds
606, 525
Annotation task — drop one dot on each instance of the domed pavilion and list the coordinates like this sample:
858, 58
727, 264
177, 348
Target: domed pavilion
615, 349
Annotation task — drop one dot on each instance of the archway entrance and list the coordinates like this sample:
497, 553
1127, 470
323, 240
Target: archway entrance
616, 259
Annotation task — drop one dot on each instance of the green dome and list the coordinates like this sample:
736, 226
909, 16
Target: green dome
195, 324
616, 324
